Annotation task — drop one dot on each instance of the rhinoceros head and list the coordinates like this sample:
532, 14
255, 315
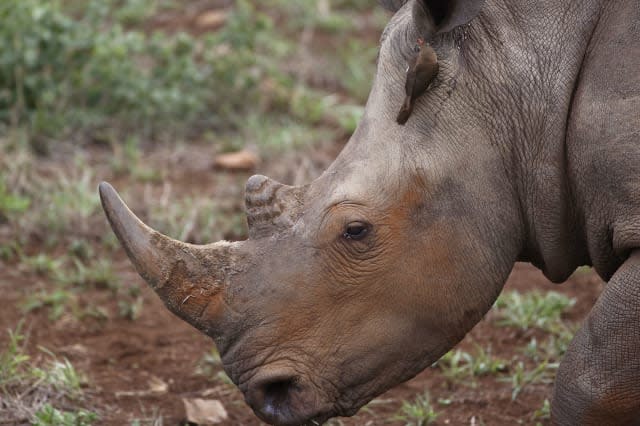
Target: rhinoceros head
359, 280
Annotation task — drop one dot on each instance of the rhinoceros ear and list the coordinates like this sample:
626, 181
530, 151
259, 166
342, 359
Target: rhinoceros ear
392, 5
441, 16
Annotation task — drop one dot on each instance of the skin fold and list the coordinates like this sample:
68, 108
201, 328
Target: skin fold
525, 147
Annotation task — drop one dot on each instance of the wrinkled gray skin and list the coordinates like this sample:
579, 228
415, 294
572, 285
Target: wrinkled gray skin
526, 147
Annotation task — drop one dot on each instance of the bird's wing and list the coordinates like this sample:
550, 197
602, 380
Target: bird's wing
425, 76
410, 81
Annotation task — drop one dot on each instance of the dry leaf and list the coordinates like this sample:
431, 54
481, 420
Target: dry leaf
204, 411
157, 385
240, 160
211, 19
76, 349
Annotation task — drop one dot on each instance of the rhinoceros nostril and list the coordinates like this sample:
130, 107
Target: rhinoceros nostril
276, 393
276, 399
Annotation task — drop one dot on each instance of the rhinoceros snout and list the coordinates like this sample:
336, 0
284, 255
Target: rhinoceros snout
283, 399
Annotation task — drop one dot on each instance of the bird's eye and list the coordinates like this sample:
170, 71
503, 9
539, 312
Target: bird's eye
356, 231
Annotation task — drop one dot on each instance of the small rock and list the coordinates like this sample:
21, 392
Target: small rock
240, 161
204, 411
75, 350
157, 385
211, 19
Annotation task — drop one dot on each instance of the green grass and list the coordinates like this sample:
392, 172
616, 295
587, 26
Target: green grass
86, 67
97, 273
68, 276
130, 308
61, 375
32, 388
282, 134
79, 72
544, 412
458, 365
210, 363
154, 418
210, 366
553, 347
521, 377
70, 202
11, 203
420, 412
42, 264
542, 311
357, 67
531, 310
50, 416
197, 220
13, 359
56, 301
128, 160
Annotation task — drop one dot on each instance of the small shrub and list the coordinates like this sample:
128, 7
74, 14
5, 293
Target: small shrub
60, 73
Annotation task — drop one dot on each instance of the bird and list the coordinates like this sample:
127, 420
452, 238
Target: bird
421, 71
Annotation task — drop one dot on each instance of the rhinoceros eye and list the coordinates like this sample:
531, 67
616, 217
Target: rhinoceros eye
356, 231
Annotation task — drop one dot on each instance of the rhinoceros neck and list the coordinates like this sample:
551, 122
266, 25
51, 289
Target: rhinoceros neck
539, 49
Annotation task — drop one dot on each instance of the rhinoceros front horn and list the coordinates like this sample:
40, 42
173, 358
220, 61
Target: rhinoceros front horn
190, 279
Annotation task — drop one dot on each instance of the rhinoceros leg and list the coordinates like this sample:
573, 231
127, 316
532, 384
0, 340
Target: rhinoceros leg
599, 380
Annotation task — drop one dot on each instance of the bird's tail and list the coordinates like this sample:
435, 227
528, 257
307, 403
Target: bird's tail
405, 111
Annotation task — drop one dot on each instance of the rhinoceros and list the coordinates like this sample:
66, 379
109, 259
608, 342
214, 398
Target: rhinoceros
525, 147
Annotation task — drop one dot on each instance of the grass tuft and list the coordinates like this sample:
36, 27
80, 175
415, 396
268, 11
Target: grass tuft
531, 310
13, 360
31, 389
521, 378
458, 365
50, 416
420, 412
